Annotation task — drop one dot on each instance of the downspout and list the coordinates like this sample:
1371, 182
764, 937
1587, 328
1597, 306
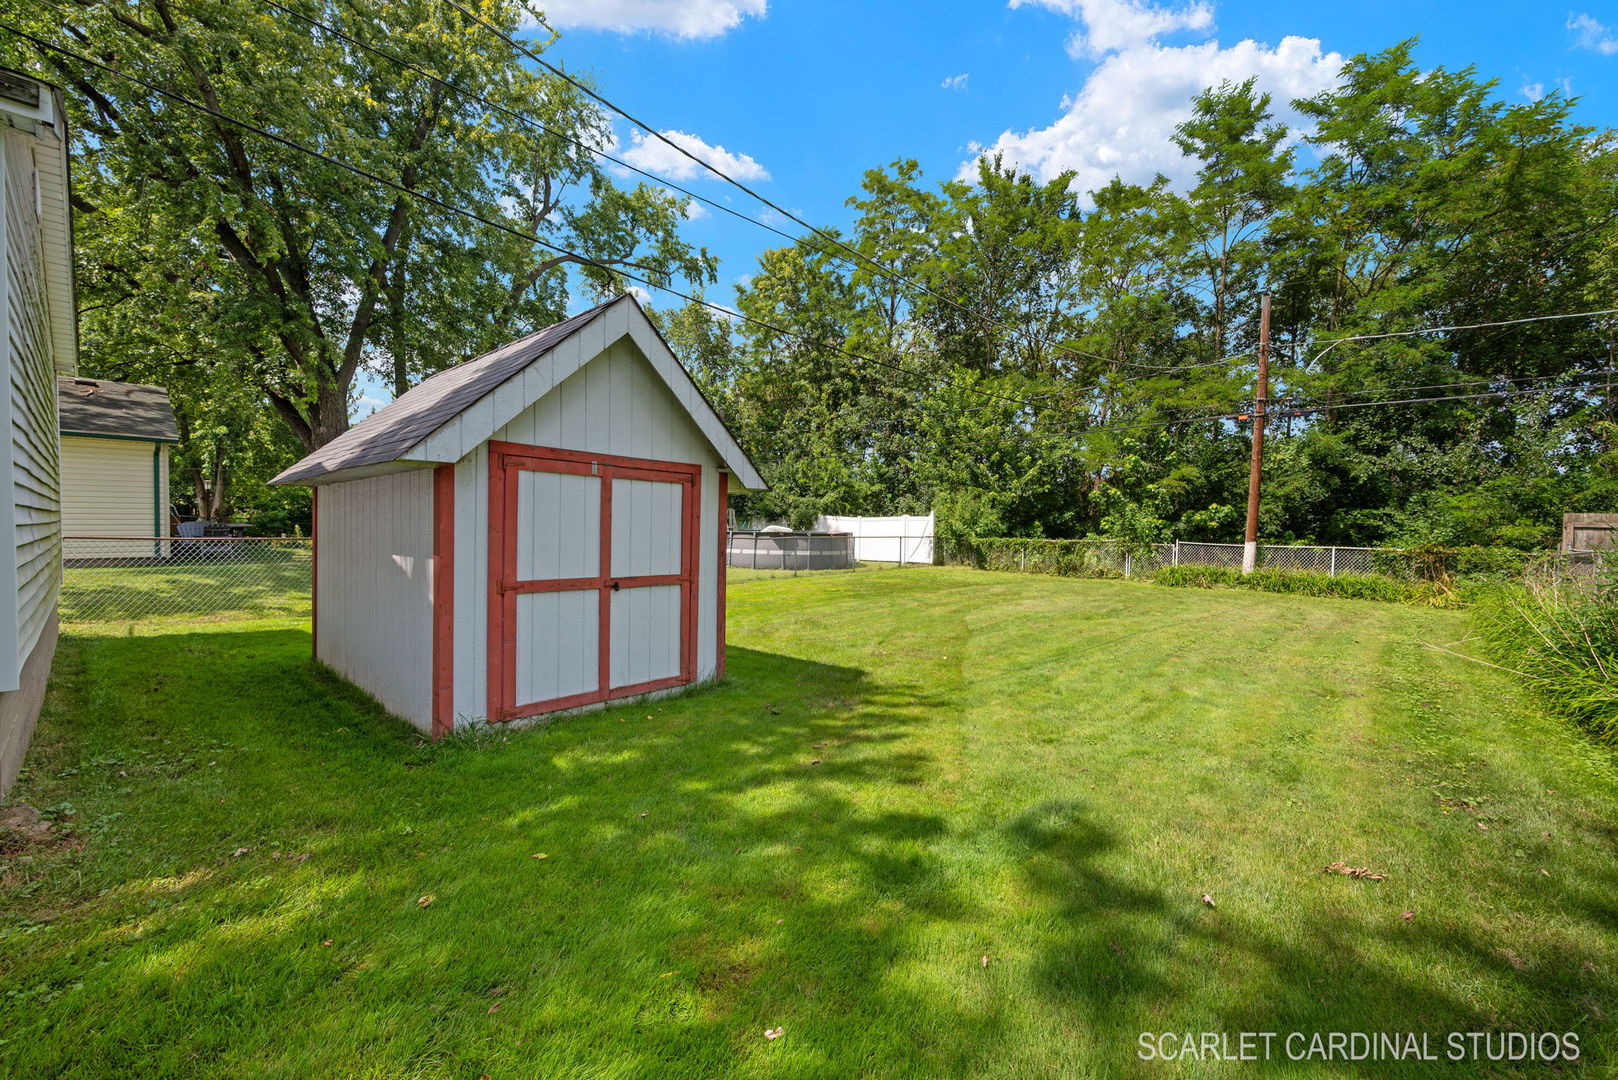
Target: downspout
157, 499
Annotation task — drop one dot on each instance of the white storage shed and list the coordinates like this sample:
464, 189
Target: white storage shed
540, 528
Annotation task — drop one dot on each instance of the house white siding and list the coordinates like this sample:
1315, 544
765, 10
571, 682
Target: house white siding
114, 487
36, 318
373, 588
614, 404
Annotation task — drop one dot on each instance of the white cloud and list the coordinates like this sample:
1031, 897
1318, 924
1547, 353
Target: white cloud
1115, 25
956, 82
1592, 34
656, 156
1533, 91
1121, 121
688, 19
695, 211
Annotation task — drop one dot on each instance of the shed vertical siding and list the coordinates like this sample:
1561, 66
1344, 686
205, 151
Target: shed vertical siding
614, 404
374, 621
108, 487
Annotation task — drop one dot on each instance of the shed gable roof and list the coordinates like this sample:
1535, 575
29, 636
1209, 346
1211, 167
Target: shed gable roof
446, 416
103, 409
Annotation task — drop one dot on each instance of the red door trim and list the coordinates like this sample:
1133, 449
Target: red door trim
505, 461
443, 600
314, 572
722, 527
495, 645
603, 599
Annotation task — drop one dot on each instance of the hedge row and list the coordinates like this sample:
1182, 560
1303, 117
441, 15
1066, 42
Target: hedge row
1313, 583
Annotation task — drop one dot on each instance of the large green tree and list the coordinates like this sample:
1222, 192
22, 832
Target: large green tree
303, 273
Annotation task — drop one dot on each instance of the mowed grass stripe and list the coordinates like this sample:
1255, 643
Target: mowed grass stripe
905, 772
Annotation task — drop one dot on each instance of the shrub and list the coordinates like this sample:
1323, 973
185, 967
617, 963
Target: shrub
1312, 583
1565, 646
1061, 558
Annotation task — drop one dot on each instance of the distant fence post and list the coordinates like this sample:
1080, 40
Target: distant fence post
1332, 569
1127, 563
1176, 555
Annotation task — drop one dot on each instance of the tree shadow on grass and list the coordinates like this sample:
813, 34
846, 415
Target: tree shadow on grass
1124, 955
284, 881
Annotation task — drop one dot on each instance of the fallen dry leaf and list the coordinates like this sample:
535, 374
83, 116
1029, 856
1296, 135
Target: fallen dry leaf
1206, 899
1354, 871
494, 1008
539, 855
425, 900
643, 813
814, 761
816, 746
239, 852
668, 974
985, 960
1407, 915
327, 942
774, 1033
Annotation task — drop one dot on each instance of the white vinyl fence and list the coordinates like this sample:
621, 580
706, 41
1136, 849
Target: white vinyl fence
905, 539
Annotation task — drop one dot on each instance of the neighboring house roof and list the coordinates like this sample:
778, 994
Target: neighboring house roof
402, 434
99, 408
35, 108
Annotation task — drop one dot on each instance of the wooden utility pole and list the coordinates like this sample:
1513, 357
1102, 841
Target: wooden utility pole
1255, 469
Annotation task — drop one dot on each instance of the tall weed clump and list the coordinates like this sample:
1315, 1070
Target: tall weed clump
1564, 644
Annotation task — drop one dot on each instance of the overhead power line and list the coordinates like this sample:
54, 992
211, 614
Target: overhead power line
481, 219
604, 155
521, 117
880, 268
764, 324
1281, 407
1467, 326
1480, 379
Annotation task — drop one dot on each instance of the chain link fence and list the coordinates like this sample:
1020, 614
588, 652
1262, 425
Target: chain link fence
118, 580
764, 555
1579, 573
1331, 560
1114, 558
123, 580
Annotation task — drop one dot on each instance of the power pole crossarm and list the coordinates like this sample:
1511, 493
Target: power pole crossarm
1255, 469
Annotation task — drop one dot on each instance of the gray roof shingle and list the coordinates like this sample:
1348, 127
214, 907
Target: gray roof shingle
390, 432
97, 407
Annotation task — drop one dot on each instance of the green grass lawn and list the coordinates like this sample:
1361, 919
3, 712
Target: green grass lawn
905, 773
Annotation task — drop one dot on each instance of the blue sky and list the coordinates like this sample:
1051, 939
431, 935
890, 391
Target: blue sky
817, 92
803, 96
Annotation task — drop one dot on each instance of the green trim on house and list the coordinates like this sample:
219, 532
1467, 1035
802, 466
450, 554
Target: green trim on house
159, 526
